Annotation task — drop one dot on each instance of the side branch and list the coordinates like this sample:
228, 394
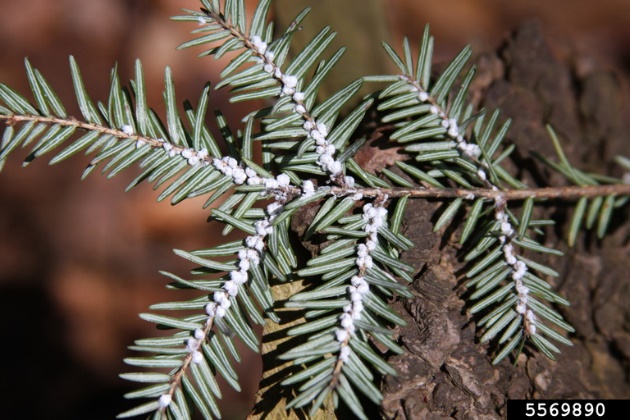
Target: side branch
73, 122
561, 193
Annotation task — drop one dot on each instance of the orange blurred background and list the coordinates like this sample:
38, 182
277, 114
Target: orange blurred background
79, 260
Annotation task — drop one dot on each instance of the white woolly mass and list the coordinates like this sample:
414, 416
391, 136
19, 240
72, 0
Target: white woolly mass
259, 45
192, 156
164, 400
283, 180
375, 216
519, 268
219, 312
230, 167
308, 188
255, 244
210, 308
289, 85
197, 357
342, 335
473, 152
344, 354
299, 108
192, 344
199, 334
231, 287
127, 129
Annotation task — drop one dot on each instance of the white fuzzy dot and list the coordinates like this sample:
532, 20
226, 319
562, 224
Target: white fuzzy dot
344, 354
164, 400
363, 288
357, 280
192, 344
230, 287
239, 176
423, 96
271, 183
308, 189
197, 357
473, 150
283, 180
335, 167
199, 334
506, 229
318, 137
211, 308
244, 265
255, 242
127, 129
368, 263
342, 335
290, 81
531, 317
219, 296
325, 160
253, 256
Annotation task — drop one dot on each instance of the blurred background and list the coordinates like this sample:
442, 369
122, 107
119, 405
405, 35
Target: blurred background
80, 260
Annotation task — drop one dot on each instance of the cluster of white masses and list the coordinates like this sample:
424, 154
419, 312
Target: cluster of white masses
278, 187
473, 152
375, 216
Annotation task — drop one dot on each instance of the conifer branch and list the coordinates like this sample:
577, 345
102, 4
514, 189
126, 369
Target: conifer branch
557, 193
441, 140
358, 215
